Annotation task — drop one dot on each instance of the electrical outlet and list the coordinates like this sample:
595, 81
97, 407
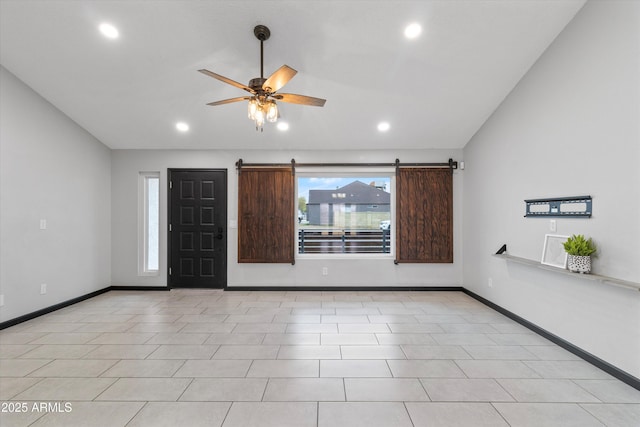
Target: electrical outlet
43, 224
325, 271
43, 288
490, 282
552, 225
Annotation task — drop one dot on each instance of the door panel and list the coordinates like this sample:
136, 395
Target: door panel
424, 212
198, 222
266, 215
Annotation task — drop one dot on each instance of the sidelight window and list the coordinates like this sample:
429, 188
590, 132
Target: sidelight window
149, 223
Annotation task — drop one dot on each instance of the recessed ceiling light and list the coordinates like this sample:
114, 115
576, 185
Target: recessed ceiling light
412, 31
384, 126
182, 126
109, 31
283, 126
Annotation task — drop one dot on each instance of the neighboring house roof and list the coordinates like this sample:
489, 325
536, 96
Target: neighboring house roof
356, 192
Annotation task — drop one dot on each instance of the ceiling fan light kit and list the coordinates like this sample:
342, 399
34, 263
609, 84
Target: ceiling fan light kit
262, 102
262, 109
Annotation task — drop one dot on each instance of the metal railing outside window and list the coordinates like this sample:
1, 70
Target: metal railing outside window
337, 240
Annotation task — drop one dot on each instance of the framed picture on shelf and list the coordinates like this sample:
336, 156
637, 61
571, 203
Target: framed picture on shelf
553, 252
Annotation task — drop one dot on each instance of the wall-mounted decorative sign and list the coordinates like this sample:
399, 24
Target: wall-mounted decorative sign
577, 206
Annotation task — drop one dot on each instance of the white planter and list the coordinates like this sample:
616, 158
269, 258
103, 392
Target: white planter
579, 264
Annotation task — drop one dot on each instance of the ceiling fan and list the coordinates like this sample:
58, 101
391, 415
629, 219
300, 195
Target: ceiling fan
262, 102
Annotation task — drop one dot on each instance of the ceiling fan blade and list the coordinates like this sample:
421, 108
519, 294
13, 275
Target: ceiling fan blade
300, 99
279, 78
226, 80
229, 101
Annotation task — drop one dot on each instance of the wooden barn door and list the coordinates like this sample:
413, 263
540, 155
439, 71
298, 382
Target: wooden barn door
424, 212
266, 215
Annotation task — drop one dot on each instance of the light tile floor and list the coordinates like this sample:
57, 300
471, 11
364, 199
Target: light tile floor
214, 358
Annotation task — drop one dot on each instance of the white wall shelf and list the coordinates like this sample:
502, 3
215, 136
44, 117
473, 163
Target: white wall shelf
593, 277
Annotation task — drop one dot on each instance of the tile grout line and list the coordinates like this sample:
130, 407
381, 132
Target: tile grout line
136, 414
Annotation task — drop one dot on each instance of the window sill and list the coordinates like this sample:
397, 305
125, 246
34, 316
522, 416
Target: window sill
149, 273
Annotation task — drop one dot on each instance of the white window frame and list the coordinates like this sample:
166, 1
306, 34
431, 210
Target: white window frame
353, 172
144, 227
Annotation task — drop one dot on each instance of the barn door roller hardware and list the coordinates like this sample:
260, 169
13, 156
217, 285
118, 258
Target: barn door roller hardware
451, 164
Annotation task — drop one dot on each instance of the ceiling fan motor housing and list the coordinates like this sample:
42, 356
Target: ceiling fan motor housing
256, 84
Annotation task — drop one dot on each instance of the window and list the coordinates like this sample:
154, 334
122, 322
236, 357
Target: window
403, 211
344, 214
149, 224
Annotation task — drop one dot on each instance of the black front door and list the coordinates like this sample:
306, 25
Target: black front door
197, 228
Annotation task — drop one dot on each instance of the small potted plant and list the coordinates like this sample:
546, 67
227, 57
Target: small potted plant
580, 250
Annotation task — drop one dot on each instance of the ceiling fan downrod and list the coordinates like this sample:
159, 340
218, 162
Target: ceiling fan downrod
258, 103
262, 33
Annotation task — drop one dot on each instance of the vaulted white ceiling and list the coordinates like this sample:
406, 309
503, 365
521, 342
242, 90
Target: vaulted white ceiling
436, 91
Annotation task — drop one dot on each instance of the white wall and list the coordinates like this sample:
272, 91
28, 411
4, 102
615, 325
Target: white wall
54, 170
570, 127
126, 165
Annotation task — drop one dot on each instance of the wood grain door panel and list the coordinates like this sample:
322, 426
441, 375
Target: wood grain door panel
424, 215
